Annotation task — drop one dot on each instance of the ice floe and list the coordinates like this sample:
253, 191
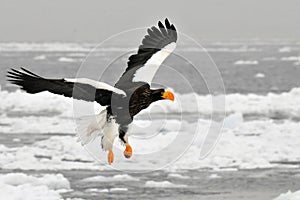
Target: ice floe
291, 58
260, 143
284, 105
119, 177
260, 75
66, 59
247, 145
246, 62
163, 184
289, 196
284, 49
14, 186
40, 57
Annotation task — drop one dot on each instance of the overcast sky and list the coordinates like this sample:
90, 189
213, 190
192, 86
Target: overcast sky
95, 20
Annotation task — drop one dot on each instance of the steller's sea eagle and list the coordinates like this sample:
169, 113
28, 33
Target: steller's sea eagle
130, 95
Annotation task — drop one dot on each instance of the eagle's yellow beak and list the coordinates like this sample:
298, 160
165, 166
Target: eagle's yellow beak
168, 95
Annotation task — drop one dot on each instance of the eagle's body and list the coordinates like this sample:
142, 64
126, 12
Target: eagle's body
130, 95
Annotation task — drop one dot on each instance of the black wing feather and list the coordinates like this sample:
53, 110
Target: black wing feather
33, 83
167, 24
157, 38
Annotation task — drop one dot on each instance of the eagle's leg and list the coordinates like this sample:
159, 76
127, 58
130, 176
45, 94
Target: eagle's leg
124, 139
110, 157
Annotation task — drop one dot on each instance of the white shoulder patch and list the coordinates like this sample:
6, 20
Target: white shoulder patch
96, 84
147, 72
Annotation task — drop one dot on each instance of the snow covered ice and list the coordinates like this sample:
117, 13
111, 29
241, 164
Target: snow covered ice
262, 143
289, 196
21, 186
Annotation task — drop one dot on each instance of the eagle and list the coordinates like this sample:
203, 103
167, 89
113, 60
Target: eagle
130, 94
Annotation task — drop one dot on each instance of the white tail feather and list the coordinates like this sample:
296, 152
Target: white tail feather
90, 127
110, 133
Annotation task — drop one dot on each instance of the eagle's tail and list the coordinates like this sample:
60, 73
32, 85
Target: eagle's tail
89, 127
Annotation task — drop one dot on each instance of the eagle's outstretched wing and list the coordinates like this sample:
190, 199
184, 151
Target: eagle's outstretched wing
155, 48
82, 89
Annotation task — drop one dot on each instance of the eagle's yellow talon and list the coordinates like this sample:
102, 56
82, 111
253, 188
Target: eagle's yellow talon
128, 151
110, 157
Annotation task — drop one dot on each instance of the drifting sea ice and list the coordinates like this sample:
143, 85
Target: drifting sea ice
14, 186
259, 75
246, 145
119, 177
40, 57
285, 105
163, 184
246, 62
289, 196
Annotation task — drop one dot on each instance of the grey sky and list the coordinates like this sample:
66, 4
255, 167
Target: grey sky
95, 20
